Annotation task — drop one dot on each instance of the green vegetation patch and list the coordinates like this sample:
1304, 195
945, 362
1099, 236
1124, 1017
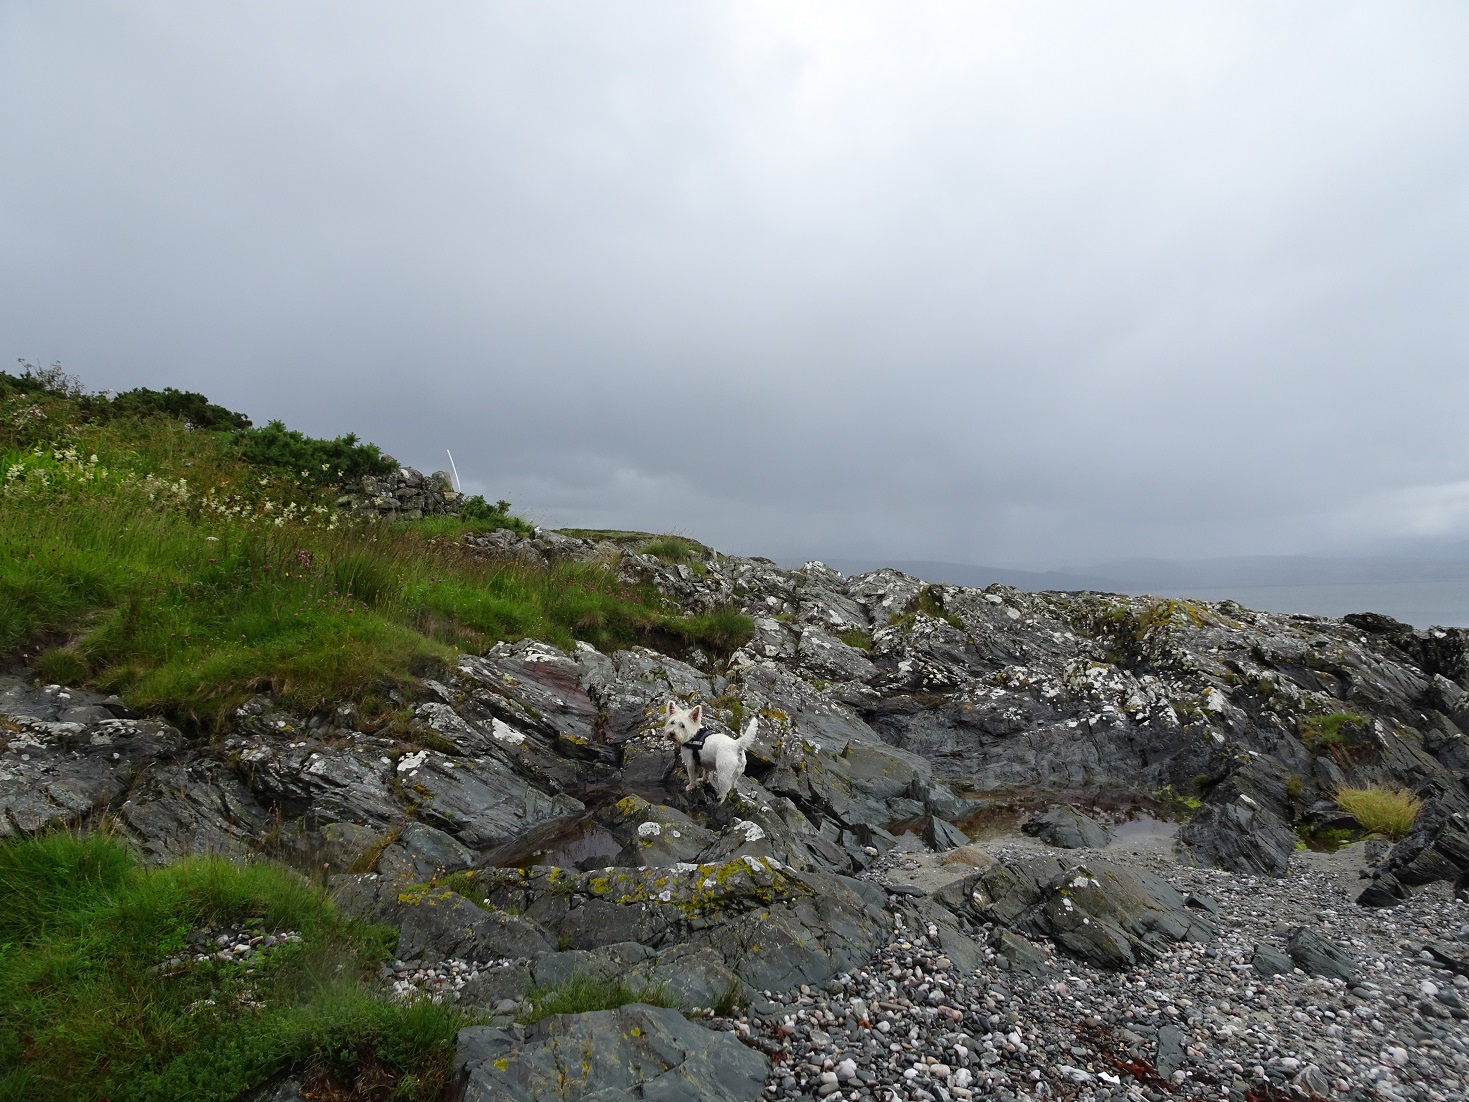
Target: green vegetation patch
587, 991
1390, 812
675, 549
101, 994
154, 560
1339, 733
315, 462
479, 512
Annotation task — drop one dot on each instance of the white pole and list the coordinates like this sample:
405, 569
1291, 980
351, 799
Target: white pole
457, 484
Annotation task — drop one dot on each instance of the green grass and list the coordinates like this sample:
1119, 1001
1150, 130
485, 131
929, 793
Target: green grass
586, 991
674, 549
1323, 733
149, 560
85, 1012
1390, 812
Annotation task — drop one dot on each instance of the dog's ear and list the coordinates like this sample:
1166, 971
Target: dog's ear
696, 714
672, 708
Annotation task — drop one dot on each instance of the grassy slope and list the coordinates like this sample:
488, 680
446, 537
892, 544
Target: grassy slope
173, 571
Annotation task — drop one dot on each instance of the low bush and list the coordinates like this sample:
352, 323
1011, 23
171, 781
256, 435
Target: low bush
1390, 812
479, 512
316, 462
183, 405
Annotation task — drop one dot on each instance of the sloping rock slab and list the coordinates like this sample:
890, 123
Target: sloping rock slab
1105, 914
481, 801
1239, 836
1067, 828
1436, 849
633, 1052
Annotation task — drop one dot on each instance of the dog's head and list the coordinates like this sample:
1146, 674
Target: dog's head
678, 725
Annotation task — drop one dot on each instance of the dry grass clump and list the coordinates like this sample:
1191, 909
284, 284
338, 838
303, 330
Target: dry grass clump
1386, 811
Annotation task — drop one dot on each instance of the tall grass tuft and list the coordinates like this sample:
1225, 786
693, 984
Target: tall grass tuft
1390, 812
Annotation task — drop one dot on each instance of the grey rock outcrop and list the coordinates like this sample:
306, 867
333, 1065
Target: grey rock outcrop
1241, 836
633, 1052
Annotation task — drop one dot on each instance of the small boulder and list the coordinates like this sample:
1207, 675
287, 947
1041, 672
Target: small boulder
942, 836
1269, 961
1171, 1045
1317, 956
1067, 828
1108, 915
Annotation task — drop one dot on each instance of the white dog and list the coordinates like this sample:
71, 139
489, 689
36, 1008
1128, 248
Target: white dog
709, 757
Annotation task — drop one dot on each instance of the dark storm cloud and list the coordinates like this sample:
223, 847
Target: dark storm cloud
1003, 283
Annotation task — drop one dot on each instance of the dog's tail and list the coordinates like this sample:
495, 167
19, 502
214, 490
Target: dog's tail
744, 741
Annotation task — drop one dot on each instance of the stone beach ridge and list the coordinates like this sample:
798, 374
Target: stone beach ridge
865, 918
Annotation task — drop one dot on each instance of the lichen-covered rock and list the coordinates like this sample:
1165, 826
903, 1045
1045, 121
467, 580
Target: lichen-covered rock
633, 1052
55, 772
437, 924
771, 925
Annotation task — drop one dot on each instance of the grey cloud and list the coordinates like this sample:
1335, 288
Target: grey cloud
966, 283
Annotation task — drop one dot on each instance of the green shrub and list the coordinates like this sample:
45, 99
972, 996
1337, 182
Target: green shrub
184, 405
1390, 812
858, 639
1343, 735
587, 991
315, 462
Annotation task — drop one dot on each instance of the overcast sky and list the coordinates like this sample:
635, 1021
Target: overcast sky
1020, 284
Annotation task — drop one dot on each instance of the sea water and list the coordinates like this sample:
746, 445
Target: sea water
1422, 604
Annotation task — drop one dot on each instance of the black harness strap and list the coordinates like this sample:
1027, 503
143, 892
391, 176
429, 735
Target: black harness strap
696, 744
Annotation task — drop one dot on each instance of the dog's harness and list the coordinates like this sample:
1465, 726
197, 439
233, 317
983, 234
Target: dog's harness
696, 744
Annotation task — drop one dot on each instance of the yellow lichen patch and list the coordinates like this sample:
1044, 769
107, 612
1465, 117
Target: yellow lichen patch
632, 806
424, 895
